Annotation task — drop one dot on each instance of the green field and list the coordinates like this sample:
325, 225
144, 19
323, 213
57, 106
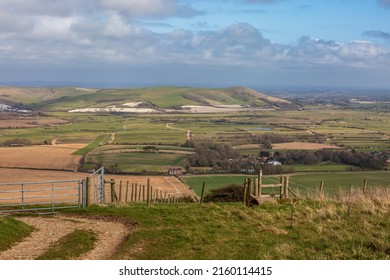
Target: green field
93, 145
318, 168
372, 134
62, 99
304, 184
137, 162
219, 181
308, 184
361, 130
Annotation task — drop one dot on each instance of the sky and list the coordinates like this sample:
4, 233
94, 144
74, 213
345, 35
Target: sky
255, 43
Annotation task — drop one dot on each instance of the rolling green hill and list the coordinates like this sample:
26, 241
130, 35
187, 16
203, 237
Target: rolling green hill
55, 99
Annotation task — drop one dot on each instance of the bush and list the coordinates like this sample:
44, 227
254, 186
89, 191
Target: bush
17, 141
230, 193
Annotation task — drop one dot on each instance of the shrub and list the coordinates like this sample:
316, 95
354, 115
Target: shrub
230, 193
17, 141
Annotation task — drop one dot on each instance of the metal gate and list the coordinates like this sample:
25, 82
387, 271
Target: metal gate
94, 188
50, 196
47, 196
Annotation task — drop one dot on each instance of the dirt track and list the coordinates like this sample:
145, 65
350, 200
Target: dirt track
50, 229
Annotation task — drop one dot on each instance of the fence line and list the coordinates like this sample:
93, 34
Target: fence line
127, 192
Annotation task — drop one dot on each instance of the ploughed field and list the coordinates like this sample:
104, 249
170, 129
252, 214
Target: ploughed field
57, 157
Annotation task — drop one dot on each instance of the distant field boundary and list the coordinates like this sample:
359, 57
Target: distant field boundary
93, 145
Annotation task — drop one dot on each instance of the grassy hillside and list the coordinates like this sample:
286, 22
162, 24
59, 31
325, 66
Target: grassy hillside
163, 97
356, 227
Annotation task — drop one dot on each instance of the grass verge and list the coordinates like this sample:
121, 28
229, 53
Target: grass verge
12, 231
71, 246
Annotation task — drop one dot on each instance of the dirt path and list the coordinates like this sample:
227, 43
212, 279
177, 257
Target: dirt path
50, 229
189, 134
111, 139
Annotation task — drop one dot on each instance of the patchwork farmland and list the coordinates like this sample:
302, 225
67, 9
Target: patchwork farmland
54, 142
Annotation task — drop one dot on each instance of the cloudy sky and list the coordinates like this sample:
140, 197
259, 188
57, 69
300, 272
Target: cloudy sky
257, 43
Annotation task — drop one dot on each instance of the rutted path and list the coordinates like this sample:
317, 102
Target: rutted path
110, 235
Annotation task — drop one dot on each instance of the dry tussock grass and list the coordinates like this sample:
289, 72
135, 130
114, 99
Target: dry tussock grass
373, 201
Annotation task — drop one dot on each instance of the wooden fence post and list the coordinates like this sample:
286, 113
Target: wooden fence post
113, 193
202, 193
127, 191
260, 182
245, 190
322, 188
135, 192
281, 187
120, 191
249, 192
286, 182
87, 198
365, 183
132, 192
148, 193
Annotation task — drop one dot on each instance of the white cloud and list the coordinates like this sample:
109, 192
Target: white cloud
57, 8
144, 7
100, 33
115, 39
149, 8
116, 27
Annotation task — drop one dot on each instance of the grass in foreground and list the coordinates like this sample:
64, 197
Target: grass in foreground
12, 231
351, 227
71, 246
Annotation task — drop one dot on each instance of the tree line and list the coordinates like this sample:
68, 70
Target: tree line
221, 157
363, 160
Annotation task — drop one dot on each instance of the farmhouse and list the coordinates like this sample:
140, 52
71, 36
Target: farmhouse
16, 145
175, 171
274, 162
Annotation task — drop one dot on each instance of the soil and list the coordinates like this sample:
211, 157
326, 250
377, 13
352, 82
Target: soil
302, 146
57, 157
111, 234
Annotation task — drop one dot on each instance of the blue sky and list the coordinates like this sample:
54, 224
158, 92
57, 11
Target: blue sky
257, 43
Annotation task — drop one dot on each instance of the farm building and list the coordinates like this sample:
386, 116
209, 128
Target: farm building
175, 171
274, 162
